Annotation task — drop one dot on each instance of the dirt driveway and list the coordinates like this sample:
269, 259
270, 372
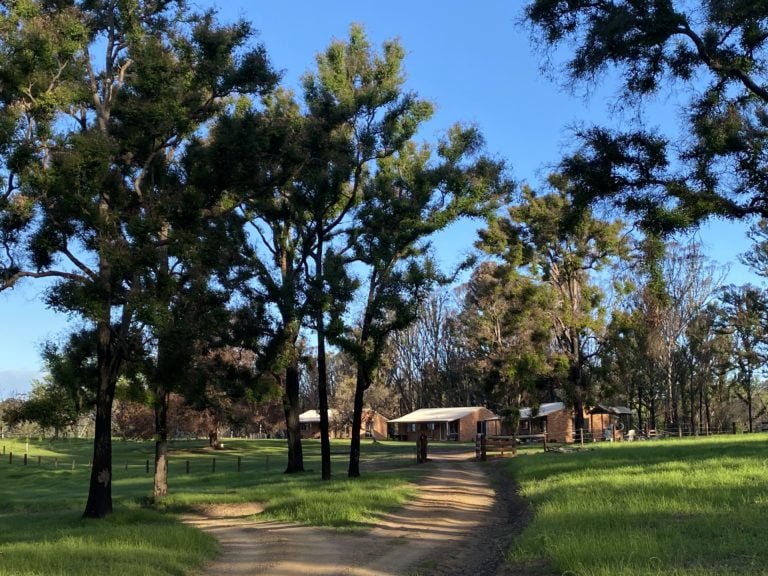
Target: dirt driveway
457, 524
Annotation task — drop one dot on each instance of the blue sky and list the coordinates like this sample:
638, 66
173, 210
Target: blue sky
471, 59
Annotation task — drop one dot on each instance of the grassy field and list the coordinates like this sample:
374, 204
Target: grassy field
677, 507
41, 532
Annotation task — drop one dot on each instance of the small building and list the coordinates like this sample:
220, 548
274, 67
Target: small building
551, 417
458, 424
374, 424
310, 424
609, 422
600, 423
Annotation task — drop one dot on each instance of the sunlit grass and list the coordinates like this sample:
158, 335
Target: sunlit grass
696, 507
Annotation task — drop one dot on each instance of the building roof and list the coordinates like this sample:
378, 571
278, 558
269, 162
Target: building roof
436, 415
313, 416
544, 410
615, 410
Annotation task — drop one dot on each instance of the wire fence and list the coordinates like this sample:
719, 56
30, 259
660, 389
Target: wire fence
201, 464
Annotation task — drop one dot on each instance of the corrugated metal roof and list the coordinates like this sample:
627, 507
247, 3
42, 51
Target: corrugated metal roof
436, 415
615, 410
313, 416
544, 410
621, 410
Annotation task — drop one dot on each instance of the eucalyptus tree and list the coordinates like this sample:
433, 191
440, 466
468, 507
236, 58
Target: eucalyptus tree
89, 157
422, 196
305, 165
627, 370
258, 155
506, 327
689, 282
745, 318
541, 237
358, 114
708, 352
428, 363
713, 52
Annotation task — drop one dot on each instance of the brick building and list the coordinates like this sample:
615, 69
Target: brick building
600, 423
459, 424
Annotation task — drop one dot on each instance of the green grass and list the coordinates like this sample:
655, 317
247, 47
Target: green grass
686, 508
41, 532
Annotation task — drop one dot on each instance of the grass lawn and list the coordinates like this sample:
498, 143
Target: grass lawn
41, 532
694, 507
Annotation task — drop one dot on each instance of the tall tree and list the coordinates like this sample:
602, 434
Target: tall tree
541, 236
423, 198
259, 154
91, 153
506, 326
428, 363
358, 113
714, 51
745, 317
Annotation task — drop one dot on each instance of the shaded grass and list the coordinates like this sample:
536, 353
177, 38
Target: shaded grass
41, 531
130, 542
689, 507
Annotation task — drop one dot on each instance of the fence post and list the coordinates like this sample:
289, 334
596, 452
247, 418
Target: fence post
10, 457
238, 463
73, 464
581, 436
187, 466
39, 460
25, 458
147, 467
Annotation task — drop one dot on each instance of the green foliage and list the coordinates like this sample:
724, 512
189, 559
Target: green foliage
90, 146
647, 508
714, 52
549, 255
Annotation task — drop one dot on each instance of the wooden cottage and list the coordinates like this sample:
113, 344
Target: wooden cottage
458, 424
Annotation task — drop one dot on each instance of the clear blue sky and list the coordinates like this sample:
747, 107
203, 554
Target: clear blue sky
471, 59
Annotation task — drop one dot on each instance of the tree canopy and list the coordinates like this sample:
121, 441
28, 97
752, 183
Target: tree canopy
715, 51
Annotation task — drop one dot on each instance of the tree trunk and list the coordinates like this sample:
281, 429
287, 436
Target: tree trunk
749, 402
99, 502
357, 423
162, 372
161, 444
292, 424
322, 389
578, 399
